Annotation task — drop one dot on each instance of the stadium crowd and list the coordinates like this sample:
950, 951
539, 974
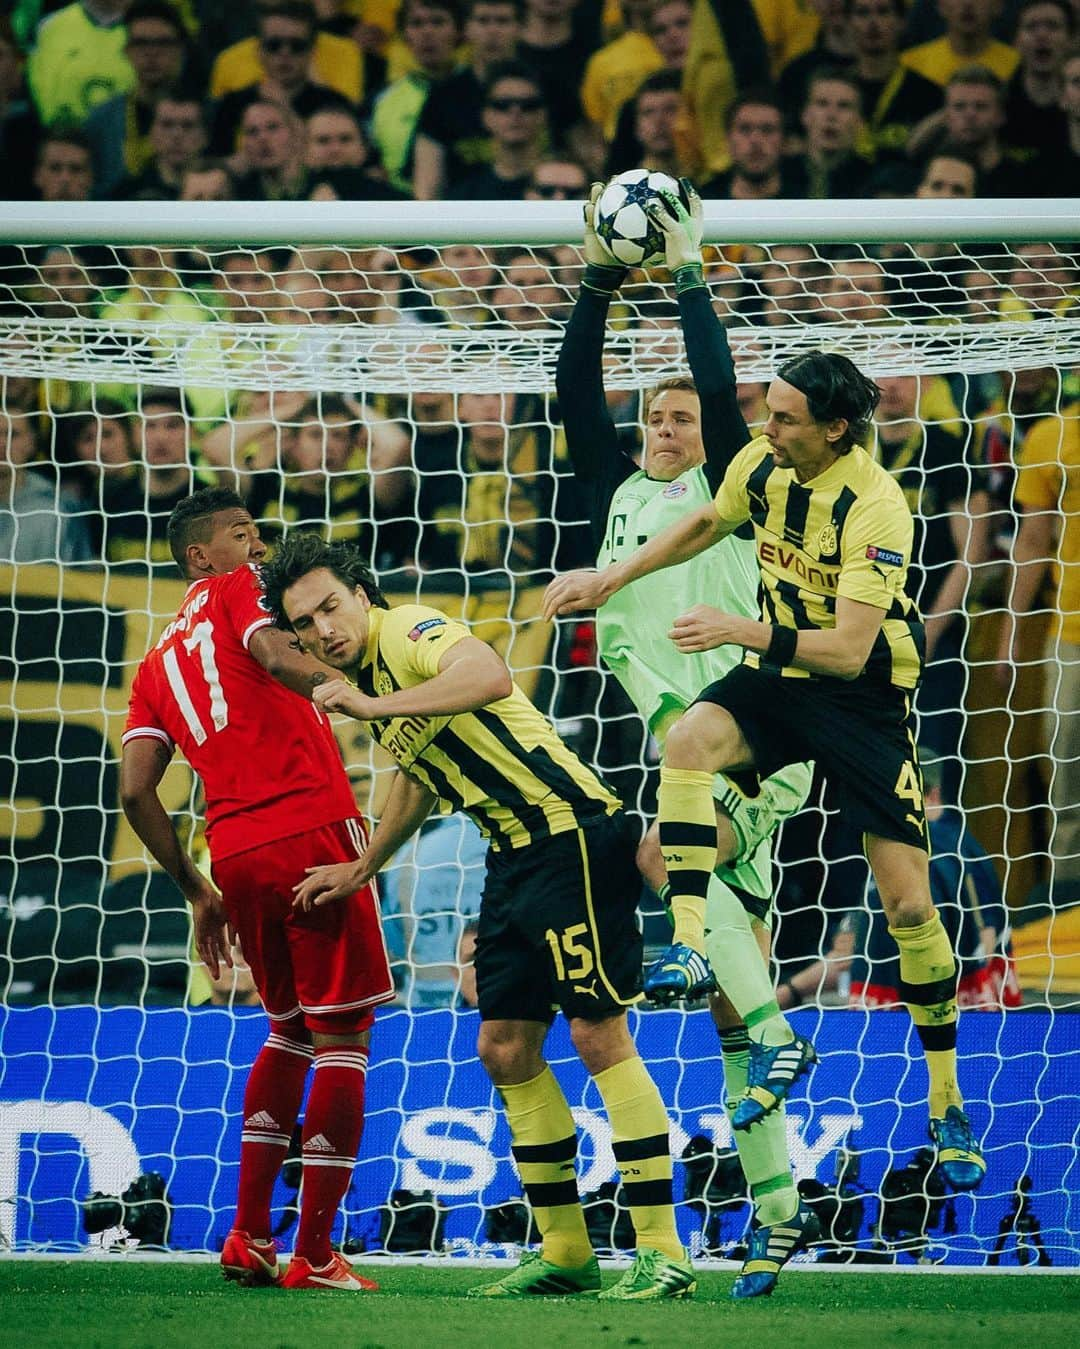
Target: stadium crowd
531, 99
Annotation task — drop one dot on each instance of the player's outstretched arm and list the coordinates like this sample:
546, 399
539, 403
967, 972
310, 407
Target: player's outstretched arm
578, 590
408, 804
723, 428
142, 766
590, 433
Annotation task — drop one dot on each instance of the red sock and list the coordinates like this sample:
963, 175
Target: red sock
275, 1088
333, 1124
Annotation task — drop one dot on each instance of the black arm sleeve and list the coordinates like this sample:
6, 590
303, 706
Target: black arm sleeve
591, 438
746, 47
723, 429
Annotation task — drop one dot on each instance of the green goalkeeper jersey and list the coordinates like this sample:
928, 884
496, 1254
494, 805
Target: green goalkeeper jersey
632, 627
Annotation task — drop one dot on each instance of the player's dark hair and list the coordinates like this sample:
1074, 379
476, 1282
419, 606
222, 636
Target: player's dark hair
304, 552
160, 10
191, 520
512, 70
981, 76
297, 11
835, 388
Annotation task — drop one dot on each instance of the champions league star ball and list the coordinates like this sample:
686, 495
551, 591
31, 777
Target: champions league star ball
624, 229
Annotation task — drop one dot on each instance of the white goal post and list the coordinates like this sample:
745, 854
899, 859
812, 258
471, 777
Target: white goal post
262, 321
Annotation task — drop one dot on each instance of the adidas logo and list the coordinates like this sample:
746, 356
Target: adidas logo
320, 1143
261, 1120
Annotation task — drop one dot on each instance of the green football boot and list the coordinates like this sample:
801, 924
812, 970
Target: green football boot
536, 1277
652, 1276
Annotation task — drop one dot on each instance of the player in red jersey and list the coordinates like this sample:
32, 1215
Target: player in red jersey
232, 692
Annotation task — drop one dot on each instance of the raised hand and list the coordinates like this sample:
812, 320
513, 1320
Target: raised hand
603, 270
681, 225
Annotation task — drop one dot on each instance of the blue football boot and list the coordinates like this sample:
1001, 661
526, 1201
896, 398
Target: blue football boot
959, 1158
773, 1071
680, 972
769, 1251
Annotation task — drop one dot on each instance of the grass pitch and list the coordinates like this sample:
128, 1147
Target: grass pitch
178, 1305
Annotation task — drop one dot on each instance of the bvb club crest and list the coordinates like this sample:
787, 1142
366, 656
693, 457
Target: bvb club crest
827, 541
383, 684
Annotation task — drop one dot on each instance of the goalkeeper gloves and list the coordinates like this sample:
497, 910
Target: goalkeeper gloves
682, 226
602, 273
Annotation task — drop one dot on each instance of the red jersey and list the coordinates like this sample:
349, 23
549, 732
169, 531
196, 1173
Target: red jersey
268, 760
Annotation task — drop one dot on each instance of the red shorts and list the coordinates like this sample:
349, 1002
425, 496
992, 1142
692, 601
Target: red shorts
329, 964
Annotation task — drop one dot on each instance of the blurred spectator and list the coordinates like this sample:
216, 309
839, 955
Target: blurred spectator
557, 180
830, 165
337, 156
95, 448
137, 506
857, 292
451, 139
286, 34
64, 287
363, 285
206, 180
1042, 282
431, 30
669, 27
1034, 119
557, 39
951, 511
789, 283
755, 136
120, 128
336, 60
894, 97
972, 121
177, 139
729, 55
833, 49
1045, 572
616, 72
462, 287
63, 170
493, 515
244, 285
34, 527
340, 469
20, 127
1067, 168
77, 59
269, 165
648, 133
233, 987
950, 174
515, 117
967, 893
967, 42
430, 899
532, 274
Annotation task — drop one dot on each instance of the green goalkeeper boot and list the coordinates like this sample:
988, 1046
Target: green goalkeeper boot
536, 1277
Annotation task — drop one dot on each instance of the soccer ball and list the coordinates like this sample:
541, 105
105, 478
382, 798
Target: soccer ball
621, 223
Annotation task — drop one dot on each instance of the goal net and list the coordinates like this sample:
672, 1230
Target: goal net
400, 394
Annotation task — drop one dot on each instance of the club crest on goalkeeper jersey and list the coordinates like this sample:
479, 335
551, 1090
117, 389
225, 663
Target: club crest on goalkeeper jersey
632, 626
268, 760
846, 533
503, 764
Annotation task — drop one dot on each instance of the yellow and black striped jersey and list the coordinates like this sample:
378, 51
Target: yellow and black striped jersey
503, 764
848, 532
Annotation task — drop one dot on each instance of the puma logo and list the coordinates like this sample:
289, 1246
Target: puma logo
588, 989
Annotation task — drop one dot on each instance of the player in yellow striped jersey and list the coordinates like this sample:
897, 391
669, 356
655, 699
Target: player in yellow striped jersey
828, 674
558, 922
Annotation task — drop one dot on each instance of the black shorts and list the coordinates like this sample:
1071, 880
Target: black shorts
558, 926
861, 735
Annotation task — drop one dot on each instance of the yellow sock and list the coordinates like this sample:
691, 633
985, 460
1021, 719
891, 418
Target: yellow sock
544, 1144
687, 818
928, 987
639, 1140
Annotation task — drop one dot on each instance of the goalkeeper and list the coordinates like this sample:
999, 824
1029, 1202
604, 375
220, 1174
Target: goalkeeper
693, 427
